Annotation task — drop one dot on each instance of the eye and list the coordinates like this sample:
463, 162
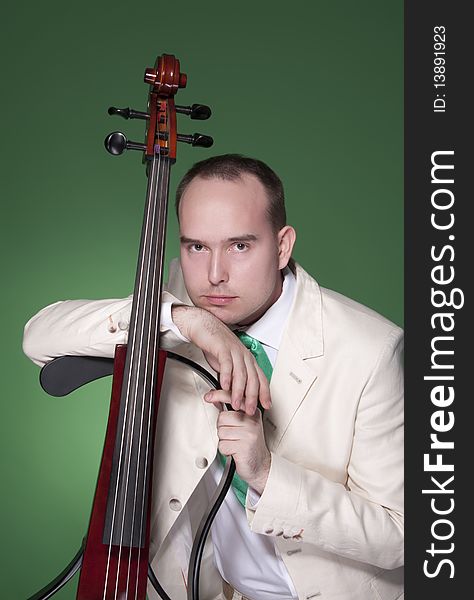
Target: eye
240, 246
195, 247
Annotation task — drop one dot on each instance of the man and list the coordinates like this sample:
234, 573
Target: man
323, 512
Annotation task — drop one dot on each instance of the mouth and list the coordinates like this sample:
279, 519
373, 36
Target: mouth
220, 300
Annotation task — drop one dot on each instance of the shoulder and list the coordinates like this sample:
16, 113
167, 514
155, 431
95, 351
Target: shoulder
344, 321
355, 314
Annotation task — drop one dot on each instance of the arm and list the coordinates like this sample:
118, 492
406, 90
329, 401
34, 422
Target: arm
87, 327
95, 327
363, 519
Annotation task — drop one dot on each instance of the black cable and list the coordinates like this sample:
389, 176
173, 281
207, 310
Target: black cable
204, 527
216, 501
65, 575
156, 584
200, 538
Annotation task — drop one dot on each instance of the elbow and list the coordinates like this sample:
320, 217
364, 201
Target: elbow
393, 561
35, 337
388, 556
391, 554
32, 346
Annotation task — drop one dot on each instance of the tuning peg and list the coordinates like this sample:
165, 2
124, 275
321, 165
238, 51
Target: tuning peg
197, 139
128, 113
196, 111
116, 143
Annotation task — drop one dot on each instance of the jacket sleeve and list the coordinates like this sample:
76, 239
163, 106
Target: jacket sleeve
363, 519
95, 327
87, 328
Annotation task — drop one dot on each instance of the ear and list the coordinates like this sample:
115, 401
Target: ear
286, 241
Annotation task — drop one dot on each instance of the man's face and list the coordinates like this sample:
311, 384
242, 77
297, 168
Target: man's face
229, 251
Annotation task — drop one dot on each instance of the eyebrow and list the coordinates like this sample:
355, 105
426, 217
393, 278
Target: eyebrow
248, 237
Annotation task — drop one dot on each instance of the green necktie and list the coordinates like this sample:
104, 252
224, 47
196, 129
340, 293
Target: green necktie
239, 485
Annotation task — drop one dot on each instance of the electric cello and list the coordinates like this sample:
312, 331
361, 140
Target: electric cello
114, 557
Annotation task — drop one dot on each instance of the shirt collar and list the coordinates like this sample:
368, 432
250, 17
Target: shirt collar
269, 328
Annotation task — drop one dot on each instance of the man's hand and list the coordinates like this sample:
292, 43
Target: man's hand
238, 371
241, 436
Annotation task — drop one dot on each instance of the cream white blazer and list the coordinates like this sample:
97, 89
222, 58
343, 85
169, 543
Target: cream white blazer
334, 497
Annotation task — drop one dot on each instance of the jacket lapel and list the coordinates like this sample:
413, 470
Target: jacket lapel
294, 373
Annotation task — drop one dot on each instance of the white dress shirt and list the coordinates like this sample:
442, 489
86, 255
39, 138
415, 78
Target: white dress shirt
249, 561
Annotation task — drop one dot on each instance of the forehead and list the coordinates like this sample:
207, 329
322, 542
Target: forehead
224, 207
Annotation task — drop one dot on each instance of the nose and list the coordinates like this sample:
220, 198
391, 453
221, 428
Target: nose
218, 272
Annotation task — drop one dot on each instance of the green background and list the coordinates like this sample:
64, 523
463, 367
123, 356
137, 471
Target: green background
312, 88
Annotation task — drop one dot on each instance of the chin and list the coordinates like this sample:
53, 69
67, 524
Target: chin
223, 315
226, 315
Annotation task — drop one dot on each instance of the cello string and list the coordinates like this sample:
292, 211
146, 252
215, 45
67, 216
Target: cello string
127, 397
139, 352
154, 299
134, 394
158, 275
151, 311
150, 363
133, 327
164, 183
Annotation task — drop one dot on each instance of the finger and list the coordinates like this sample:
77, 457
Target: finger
227, 448
252, 387
264, 390
231, 418
217, 397
229, 433
239, 381
226, 365
216, 403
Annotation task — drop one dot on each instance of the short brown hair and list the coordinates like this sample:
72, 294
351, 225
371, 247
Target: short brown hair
231, 167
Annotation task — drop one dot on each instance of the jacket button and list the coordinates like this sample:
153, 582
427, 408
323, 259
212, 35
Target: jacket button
175, 504
201, 462
123, 325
